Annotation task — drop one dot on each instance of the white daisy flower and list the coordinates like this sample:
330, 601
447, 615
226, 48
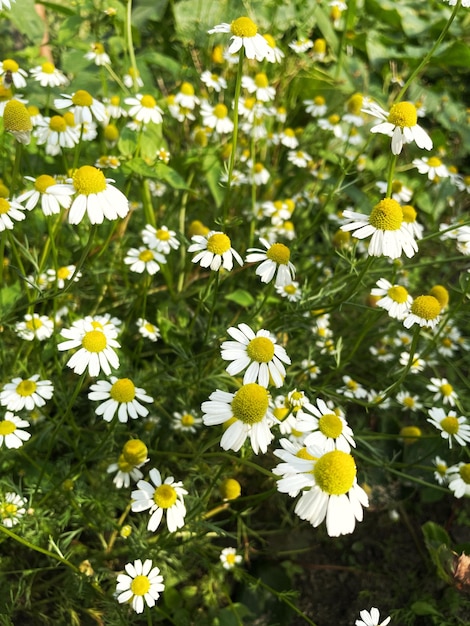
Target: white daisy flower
288, 138
390, 236
98, 55
148, 330
400, 192
17, 74
443, 391
216, 117
432, 166
245, 34
11, 211
400, 124
353, 389
275, 260
247, 413
96, 349
62, 275
333, 124
214, 81
316, 107
410, 223
93, 195
408, 401
133, 79
299, 158
229, 558
12, 507
451, 427
259, 353
142, 585
51, 202
85, 107
394, 299
214, 250
186, 98
259, 86
301, 45
296, 475
425, 311
459, 479
160, 239
417, 364
291, 291
277, 53
56, 133
26, 394
185, 422
440, 473
48, 75
326, 427
35, 326
11, 433
131, 459
119, 395
144, 109
371, 618
160, 498
144, 259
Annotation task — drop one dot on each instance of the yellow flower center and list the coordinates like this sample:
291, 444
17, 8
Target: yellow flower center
280, 413
319, 100
386, 215
149, 327
8, 509
4, 206
304, 454
230, 489
7, 427
94, 341
330, 425
230, 558
163, 234
279, 253
250, 403
464, 471
123, 390
218, 243
441, 469
63, 273
290, 289
187, 89
261, 80
26, 388
98, 48
140, 585
146, 256
355, 103
403, 115
148, 102
43, 182
260, 349
398, 294
270, 39
220, 111
57, 124
115, 101
409, 402
187, 420
334, 119
111, 132
446, 389
135, 451
10, 66
243, 27
335, 472
410, 434
124, 465
88, 179
16, 117
82, 98
165, 496
33, 324
319, 46
409, 214
397, 186
426, 307
441, 294
450, 424
48, 68
69, 118
434, 162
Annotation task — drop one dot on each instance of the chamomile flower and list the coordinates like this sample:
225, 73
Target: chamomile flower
11, 433
17, 74
214, 81
140, 586
51, 201
440, 473
410, 222
11, 211
452, 3
433, 167
371, 618
26, 393
259, 86
245, 35
148, 330
326, 427
229, 558
295, 470
291, 291
408, 401
48, 75
451, 427
390, 237
301, 45
160, 239
258, 353
185, 422
98, 55
55, 133
278, 54
216, 118
159, 498
131, 459
353, 389
424, 311
144, 108
246, 413
133, 79
275, 261
144, 259
96, 349
121, 395
394, 299
417, 363
443, 391
17, 121
85, 107
400, 192
93, 195
400, 124
299, 158
214, 250
12, 508
459, 479
316, 107
35, 326
63, 275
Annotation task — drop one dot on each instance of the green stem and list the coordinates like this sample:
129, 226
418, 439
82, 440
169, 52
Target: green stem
397, 383
16, 168
214, 303
428, 56
130, 46
391, 172
181, 225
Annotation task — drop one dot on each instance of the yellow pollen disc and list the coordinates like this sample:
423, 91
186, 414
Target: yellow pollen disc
94, 341
69, 118
270, 39
280, 413
140, 585
279, 253
133, 73
48, 68
410, 434
187, 89
450, 424
98, 48
26, 388
10, 66
319, 46
319, 100
335, 472
386, 215
163, 234
111, 132
8, 510
243, 27
58, 124
82, 98
408, 402
426, 307
43, 182
124, 465
341, 239
396, 186
148, 102
135, 451
441, 469
250, 403
123, 390
63, 273
259, 167
33, 324
187, 420
434, 162
16, 117
88, 179
218, 243
115, 101
260, 349
261, 80
220, 111
230, 489
403, 115
290, 289
7, 427
289, 132
165, 496
446, 389
334, 119
355, 103
464, 471
409, 214
398, 294
4, 206
149, 327
303, 454
146, 256
330, 425
441, 294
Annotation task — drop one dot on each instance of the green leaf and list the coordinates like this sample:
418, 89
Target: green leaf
456, 55
241, 297
146, 10
421, 607
24, 17
170, 176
